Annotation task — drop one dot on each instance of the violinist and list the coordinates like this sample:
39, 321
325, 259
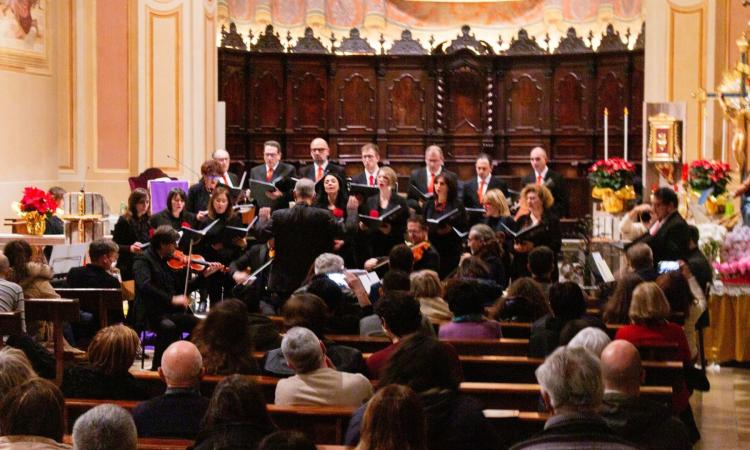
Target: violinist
160, 292
391, 231
425, 255
218, 244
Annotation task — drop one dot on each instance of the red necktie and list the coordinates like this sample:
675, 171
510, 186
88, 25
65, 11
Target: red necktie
372, 180
431, 184
225, 179
269, 174
319, 175
539, 180
480, 192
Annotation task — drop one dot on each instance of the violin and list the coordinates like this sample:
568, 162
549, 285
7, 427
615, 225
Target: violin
418, 250
178, 261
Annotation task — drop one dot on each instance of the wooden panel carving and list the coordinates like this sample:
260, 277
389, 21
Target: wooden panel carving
465, 100
268, 101
309, 103
232, 89
524, 104
406, 104
571, 101
356, 110
636, 95
610, 95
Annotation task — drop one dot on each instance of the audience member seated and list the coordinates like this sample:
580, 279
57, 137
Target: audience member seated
400, 259
96, 274
649, 313
633, 417
237, 417
224, 340
393, 420
286, 440
32, 417
316, 382
393, 281
400, 317
572, 389
467, 304
11, 294
685, 297
483, 244
105, 427
309, 311
474, 268
541, 267
591, 338
15, 369
431, 368
641, 261
106, 376
568, 303
525, 301
696, 260
178, 412
617, 308
426, 287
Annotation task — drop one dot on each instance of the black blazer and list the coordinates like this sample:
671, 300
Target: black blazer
471, 200
380, 244
671, 241
282, 170
556, 184
418, 178
308, 171
300, 234
448, 245
125, 234
173, 415
164, 217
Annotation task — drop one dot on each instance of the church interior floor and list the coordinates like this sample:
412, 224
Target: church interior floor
723, 413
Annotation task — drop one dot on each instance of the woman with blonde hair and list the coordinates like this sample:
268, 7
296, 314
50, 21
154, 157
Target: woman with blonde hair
391, 232
15, 369
394, 419
536, 201
427, 289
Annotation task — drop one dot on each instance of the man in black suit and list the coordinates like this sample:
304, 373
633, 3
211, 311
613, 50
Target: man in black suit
475, 188
553, 180
424, 177
221, 156
271, 170
320, 166
300, 234
669, 236
370, 160
159, 291
178, 412
103, 254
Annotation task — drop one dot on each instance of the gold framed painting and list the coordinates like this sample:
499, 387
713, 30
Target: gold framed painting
663, 139
24, 35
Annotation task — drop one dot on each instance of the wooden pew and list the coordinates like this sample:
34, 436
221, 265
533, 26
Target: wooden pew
10, 324
96, 300
149, 443
504, 346
57, 311
524, 397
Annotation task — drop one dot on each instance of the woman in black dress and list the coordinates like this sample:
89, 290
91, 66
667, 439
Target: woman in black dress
497, 214
218, 245
391, 232
536, 201
132, 231
175, 215
332, 194
442, 235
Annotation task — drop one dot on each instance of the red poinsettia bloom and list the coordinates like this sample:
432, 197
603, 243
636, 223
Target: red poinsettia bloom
338, 213
374, 213
35, 199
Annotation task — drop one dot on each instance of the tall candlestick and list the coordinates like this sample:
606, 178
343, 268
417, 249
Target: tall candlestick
625, 136
723, 139
606, 134
705, 134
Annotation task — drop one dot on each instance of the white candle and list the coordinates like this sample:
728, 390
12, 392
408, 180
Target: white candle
625, 136
723, 138
606, 134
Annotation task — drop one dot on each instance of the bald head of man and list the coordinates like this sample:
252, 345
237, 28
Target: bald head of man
221, 156
621, 368
181, 365
433, 158
538, 159
319, 151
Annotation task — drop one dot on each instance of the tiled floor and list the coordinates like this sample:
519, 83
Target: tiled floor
723, 413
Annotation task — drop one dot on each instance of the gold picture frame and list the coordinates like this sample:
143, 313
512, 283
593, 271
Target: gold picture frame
24, 36
663, 139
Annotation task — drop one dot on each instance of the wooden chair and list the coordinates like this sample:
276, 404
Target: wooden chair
141, 181
57, 311
97, 300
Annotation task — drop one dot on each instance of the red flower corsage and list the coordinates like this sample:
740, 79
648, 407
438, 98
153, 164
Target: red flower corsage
374, 213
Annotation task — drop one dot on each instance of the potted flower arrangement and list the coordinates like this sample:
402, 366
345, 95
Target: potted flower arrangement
612, 181
735, 256
35, 207
714, 175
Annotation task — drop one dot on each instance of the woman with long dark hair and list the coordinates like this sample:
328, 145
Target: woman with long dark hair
224, 340
174, 214
132, 231
332, 194
442, 235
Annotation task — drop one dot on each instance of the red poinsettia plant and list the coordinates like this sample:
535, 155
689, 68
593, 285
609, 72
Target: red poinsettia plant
705, 174
613, 173
37, 200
